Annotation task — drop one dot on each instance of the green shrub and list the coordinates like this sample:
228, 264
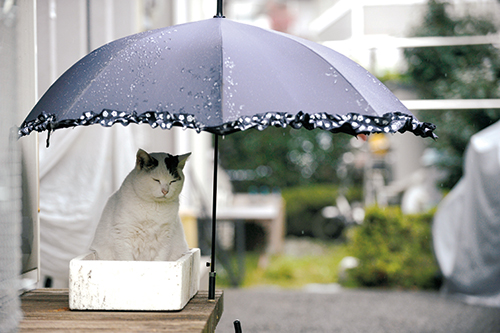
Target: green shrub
394, 250
303, 203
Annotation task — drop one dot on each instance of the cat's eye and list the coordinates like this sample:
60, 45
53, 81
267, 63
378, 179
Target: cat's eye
156, 180
173, 181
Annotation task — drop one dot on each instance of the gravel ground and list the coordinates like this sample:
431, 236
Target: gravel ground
333, 309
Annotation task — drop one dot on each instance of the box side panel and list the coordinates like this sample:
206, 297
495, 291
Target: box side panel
195, 273
133, 285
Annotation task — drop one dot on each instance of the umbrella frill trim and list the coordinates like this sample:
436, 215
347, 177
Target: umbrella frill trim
351, 123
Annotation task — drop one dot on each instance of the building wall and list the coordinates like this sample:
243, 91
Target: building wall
18, 220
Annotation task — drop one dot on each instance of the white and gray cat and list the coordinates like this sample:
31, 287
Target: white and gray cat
141, 220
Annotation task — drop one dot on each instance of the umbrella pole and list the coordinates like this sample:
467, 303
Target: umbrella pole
211, 280
219, 9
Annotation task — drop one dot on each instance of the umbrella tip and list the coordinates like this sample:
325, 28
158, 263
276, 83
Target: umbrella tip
219, 9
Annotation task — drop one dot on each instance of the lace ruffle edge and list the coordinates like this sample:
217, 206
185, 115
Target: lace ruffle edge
351, 123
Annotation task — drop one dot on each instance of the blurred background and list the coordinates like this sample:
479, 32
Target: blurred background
297, 208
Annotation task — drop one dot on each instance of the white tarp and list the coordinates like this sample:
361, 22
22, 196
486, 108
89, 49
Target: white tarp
466, 228
78, 172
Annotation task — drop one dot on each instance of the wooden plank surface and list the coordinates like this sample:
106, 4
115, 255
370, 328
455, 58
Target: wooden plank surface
46, 310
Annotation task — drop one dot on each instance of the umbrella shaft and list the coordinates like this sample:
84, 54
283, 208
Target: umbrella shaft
219, 8
211, 281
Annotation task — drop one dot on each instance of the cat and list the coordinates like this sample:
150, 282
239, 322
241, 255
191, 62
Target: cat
141, 220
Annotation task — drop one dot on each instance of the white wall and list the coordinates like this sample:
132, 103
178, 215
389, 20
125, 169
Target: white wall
18, 210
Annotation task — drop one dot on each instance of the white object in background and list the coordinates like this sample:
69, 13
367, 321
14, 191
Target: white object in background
466, 227
133, 285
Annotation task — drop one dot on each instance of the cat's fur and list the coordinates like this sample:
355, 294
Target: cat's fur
141, 220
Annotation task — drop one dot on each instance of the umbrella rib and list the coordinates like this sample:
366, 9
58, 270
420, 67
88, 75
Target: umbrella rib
405, 119
114, 54
294, 39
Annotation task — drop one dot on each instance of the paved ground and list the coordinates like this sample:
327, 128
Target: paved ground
332, 309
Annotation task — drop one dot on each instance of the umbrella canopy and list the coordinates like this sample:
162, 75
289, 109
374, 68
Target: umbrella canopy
221, 76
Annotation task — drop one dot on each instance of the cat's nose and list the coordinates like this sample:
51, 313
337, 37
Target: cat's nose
164, 191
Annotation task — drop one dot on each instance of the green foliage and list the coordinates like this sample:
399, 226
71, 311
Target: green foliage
289, 271
294, 157
455, 72
464, 71
304, 203
394, 250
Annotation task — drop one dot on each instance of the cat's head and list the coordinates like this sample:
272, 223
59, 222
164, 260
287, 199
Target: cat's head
159, 176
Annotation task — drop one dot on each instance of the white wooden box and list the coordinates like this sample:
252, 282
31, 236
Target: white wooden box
133, 285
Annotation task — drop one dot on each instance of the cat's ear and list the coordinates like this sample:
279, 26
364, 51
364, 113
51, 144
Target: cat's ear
182, 160
145, 161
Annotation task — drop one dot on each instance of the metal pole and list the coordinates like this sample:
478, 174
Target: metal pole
211, 280
237, 326
89, 31
220, 6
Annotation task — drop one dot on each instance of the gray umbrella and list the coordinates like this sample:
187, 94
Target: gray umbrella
221, 76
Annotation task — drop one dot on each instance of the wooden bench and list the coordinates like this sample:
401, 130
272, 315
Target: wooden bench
46, 310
